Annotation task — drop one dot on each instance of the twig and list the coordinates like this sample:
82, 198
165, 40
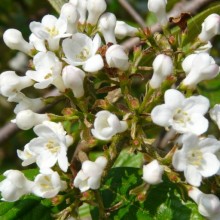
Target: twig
133, 13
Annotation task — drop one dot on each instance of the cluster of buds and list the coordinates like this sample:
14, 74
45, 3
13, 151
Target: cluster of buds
79, 56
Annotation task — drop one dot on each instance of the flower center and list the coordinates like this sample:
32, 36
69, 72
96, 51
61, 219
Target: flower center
194, 157
52, 31
53, 147
46, 184
181, 116
83, 55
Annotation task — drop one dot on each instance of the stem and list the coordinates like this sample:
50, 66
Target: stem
57, 4
100, 205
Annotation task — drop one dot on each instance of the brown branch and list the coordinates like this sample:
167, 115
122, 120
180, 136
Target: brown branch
133, 13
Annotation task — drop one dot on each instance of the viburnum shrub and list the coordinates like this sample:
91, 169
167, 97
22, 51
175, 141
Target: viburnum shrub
132, 138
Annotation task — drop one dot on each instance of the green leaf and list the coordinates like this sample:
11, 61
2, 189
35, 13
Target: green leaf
28, 207
163, 201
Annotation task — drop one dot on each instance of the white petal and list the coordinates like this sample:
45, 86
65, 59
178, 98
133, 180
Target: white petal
179, 160
192, 176
94, 182
173, 98
93, 64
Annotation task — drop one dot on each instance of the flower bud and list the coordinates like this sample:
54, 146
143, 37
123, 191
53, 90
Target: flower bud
70, 13
80, 5
95, 8
210, 27
163, 67
14, 186
215, 114
159, 8
10, 83
208, 204
117, 58
73, 78
199, 67
124, 30
152, 172
15, 41
27, 119
107, 24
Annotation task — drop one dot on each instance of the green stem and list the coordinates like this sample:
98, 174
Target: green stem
100, 205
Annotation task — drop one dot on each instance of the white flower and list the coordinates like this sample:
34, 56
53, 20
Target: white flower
215, 114
51, 145
26, 155
197, 158
208, 204
199, 67
25, 103
50, 29
204, 48
95, 8
26, 119
159, 8
70, 13
48, 184
73, 78
152, 172
14, 186
163, 67
81, 50
106, 25
116, 57
182, 114
15, 41
48, 71
89, 176
106, 125
11, 84
124, 30
19, 62
80, 5
210, 27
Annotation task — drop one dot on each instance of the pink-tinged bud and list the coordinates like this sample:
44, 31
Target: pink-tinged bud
124, 30
95, 8
15, 41
117, 58
152, 173
159, 8
210, 27
27, 119
199, 67
73, 79
107, 24
70, 13
163, 67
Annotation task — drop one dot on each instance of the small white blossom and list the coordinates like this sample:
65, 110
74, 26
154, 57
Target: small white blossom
14, 186
73, 78
123, 30
48, 184
106, 125
50, 29
26, 119
116, 57
11, 84
81, 6
159, 8
38, 44
208, 204
95, 8
152, 172
26, 155
106, 25
15, 41
197, 158
81, 50
89, 176
215, 114
47, 71
51, 145
210, 27
182, 114
199, 67
163, 67
70, 13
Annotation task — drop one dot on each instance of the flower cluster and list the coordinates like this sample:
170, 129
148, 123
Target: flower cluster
79, 55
